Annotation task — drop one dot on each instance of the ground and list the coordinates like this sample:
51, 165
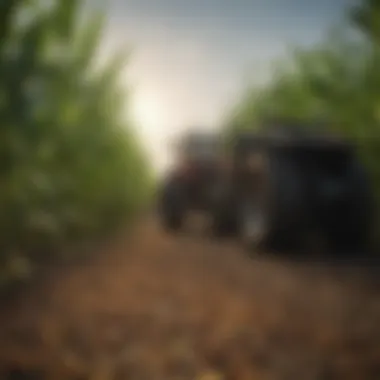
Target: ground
152, 306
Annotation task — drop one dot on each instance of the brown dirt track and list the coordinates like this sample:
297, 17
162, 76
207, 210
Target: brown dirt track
157, 307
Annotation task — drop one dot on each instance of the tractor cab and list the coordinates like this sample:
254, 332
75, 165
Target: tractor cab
198, 155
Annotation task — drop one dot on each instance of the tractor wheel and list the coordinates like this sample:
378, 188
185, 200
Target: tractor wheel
172, 208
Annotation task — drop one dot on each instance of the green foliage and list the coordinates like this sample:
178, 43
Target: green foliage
71, 167
337, 80
366, 17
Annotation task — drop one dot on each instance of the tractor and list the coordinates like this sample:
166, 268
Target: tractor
277, 188
192, 183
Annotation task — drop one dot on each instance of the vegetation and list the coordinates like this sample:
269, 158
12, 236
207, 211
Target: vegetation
71, 167
337, 80
171, 308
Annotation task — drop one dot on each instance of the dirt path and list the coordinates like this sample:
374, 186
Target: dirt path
157, 307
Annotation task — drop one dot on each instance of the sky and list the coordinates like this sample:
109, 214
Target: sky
191, 58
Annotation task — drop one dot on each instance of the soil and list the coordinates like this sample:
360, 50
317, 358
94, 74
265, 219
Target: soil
154, 306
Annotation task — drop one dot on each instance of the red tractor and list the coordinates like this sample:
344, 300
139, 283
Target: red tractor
193, 184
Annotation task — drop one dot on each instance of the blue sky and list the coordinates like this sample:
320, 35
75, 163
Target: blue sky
191, 58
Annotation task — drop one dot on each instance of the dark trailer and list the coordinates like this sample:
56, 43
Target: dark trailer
292, 182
